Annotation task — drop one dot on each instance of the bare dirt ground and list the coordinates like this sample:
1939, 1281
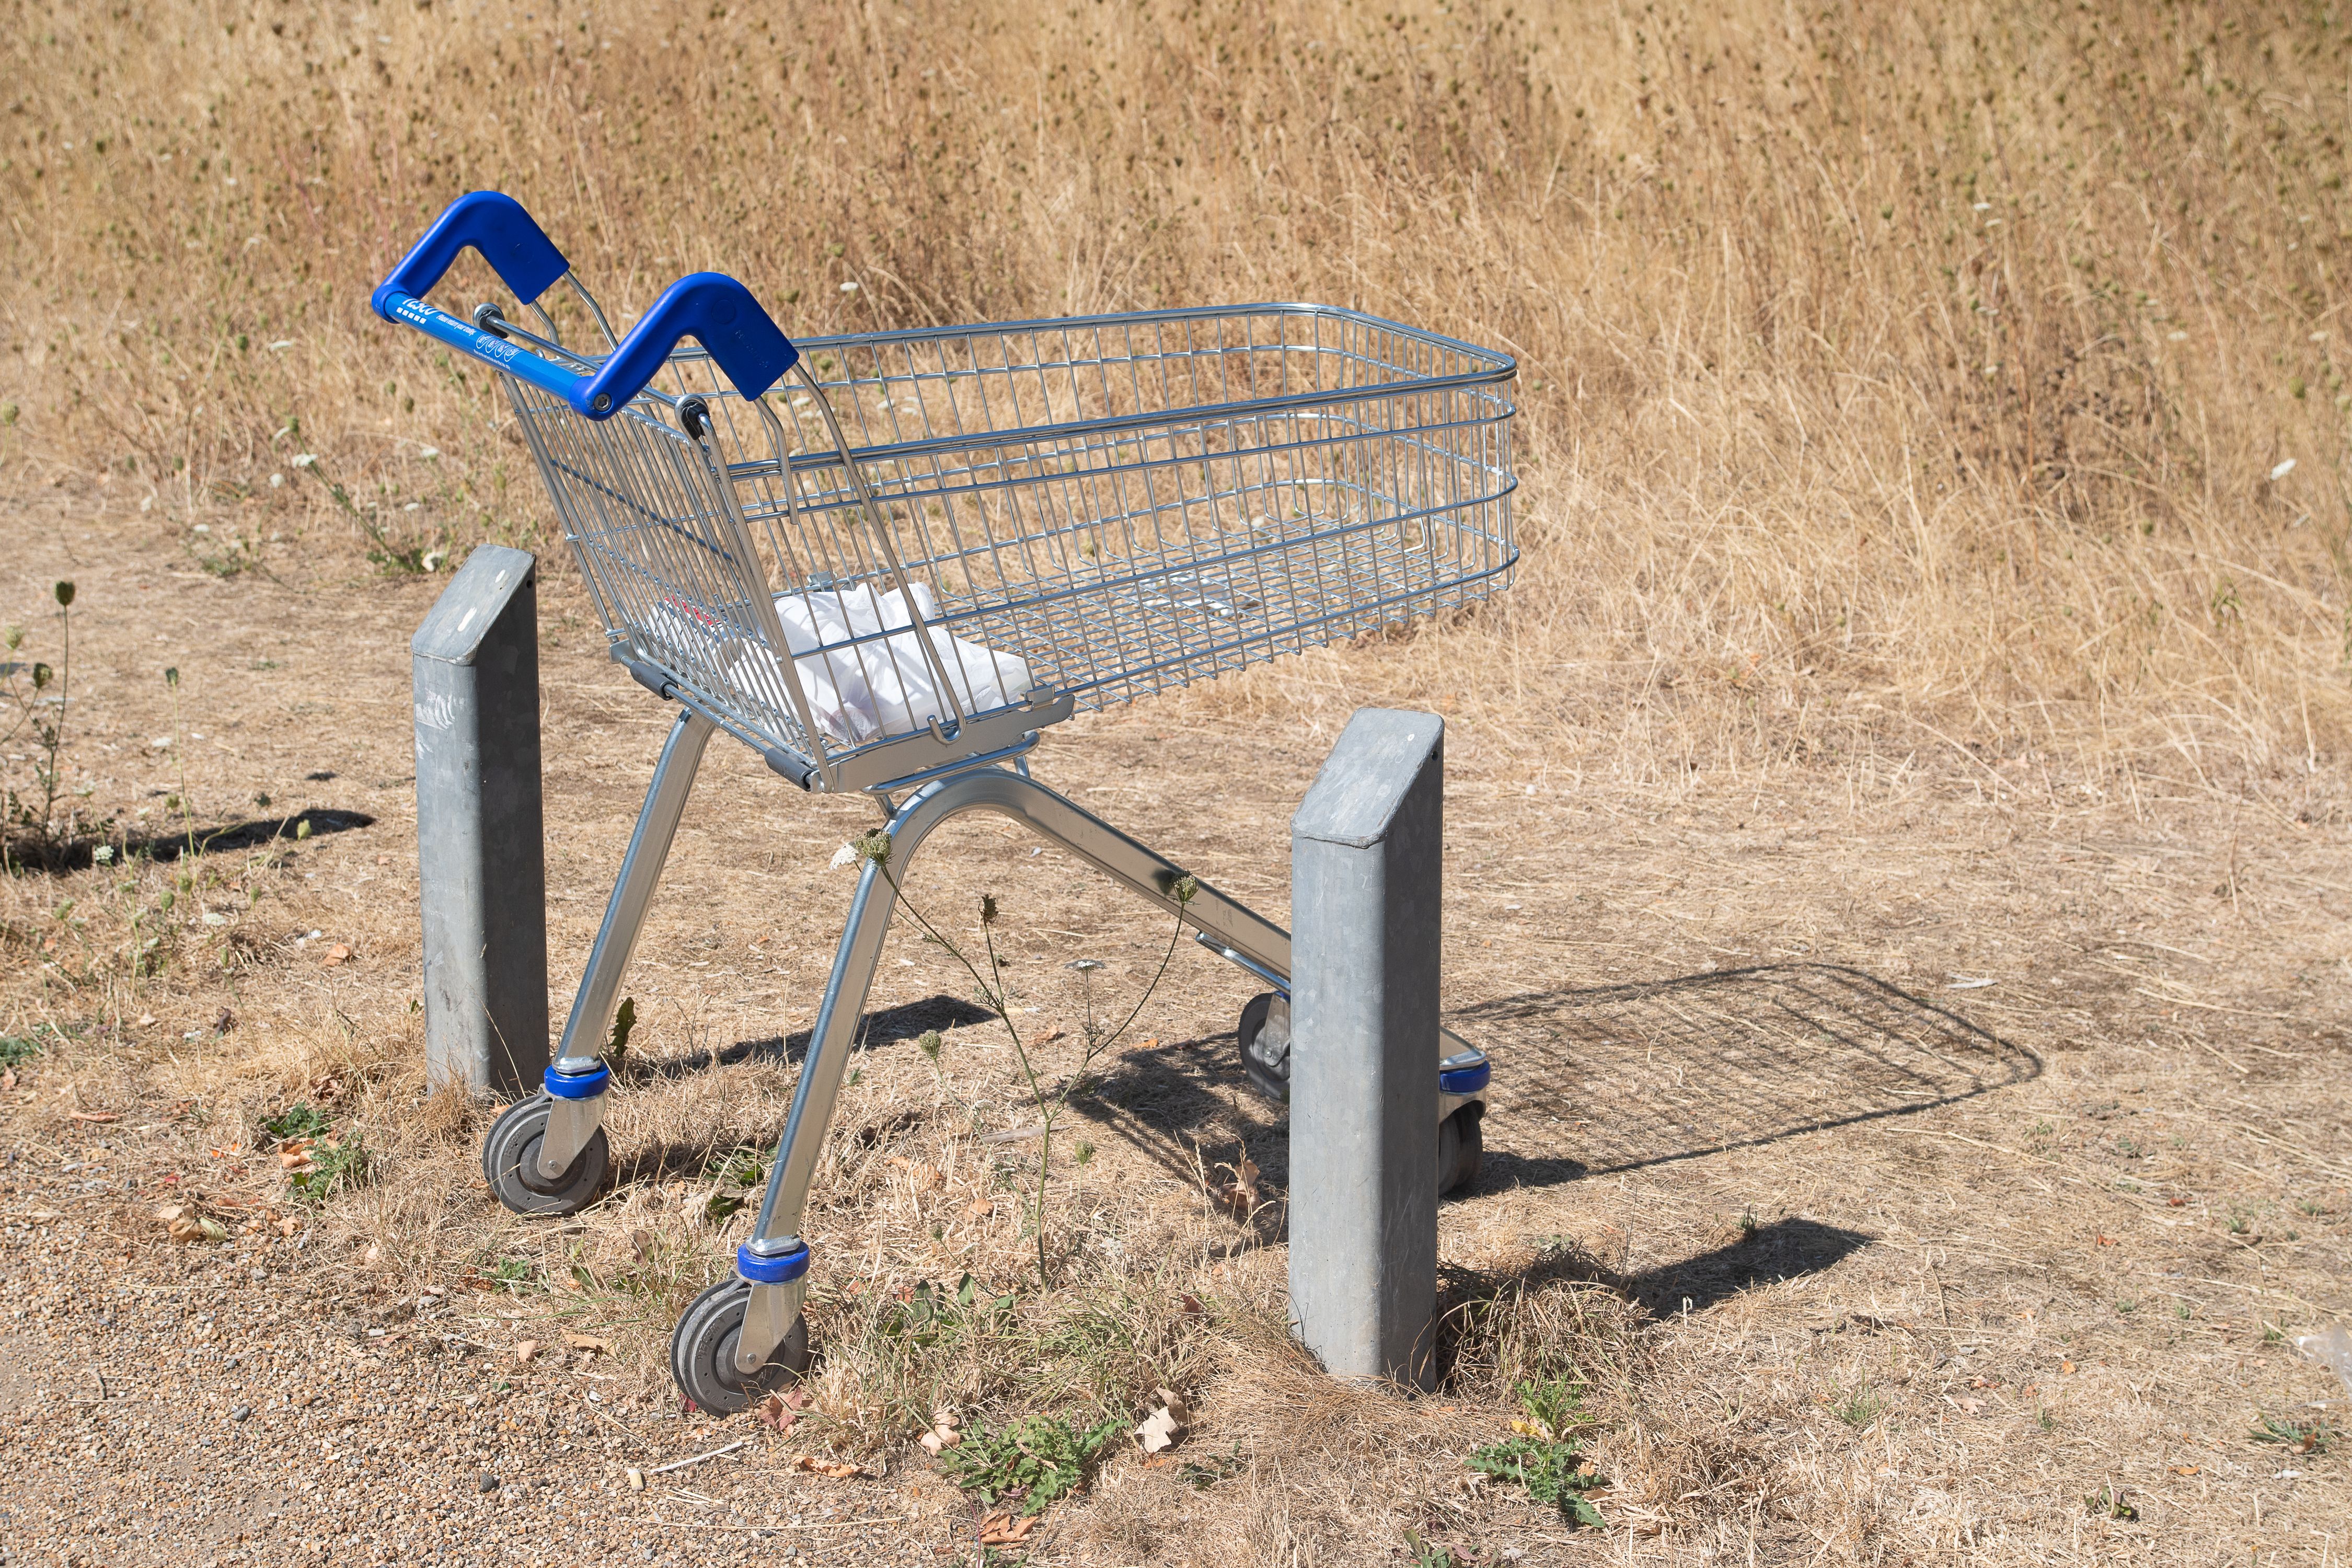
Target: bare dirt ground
1922, 1155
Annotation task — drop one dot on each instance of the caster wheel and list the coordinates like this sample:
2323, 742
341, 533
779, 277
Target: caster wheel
1459, 1144
702, 1352
510, 1161
1266, 1045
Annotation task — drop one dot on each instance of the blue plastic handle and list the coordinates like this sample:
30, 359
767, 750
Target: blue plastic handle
493, 223
709, 307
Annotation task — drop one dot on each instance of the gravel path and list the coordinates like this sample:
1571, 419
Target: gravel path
241, 1403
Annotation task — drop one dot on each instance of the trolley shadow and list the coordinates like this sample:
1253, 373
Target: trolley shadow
882, 1027
1590, 1081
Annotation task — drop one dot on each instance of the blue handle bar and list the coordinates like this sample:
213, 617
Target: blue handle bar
709, 306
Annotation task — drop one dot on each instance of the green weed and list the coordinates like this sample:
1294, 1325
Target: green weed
299, 1119
2303, 1437
2109, 1501
1035, 1462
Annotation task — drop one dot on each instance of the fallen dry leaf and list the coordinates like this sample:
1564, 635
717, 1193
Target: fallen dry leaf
2184, 1470
981, 1208
188, 1230
335, 955
587, 1342
526, 1351
775, 1414
1003, 1529
288, 1225
926, 1178
94, 1116
7, 1078
1045, 1036
1238, 1195
1159, 1431
834, 1468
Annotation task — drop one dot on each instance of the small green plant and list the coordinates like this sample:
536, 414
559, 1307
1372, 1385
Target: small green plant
2303, 1437
335, 1168
1539, 1453
1554, 1407
512, 1273
1428, 1553
1858, 1409
1203, 1474
1035, 1462
17, 1050
624, 1024
1746, 1224
2126, 1305
2109, 1501
1552, 1473
2239, 1225
2043, 1419
732, 1175
301, 1119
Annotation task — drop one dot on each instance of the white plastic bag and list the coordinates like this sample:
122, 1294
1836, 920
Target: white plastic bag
2331, 1347
858, 691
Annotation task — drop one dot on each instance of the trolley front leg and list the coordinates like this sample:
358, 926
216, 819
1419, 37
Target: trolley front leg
546, 1155
744, 1335
730, 1346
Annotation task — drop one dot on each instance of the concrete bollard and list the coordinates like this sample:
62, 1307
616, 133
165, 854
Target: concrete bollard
1365, 909
481, 861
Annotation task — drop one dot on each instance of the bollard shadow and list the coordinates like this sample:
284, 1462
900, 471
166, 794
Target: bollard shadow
884, 1026
1471, 1301
254, 834
1783, 1249
1590, 1080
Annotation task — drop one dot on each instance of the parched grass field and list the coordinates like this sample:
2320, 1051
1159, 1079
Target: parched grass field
1897, 819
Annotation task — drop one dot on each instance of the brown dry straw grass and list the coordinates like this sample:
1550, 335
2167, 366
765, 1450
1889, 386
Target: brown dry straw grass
1892, 376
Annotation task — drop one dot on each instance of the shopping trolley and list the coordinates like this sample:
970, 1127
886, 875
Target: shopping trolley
893, 571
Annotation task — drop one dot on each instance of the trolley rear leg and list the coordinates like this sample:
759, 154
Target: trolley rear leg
547, 1154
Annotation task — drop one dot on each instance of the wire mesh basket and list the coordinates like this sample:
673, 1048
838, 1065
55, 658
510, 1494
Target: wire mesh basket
1092, 509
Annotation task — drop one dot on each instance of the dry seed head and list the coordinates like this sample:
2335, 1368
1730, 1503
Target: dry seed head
875, 846
988, 909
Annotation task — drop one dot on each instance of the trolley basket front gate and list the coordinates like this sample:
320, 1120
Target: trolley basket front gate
888, 561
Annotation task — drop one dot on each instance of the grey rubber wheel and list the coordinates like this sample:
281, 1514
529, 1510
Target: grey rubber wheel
702, 1352
1265, 1035
1461, 1146
511, 1161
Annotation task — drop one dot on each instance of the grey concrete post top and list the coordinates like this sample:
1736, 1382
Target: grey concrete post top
469, 606
1355, 797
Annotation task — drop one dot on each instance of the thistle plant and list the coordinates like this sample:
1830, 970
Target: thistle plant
1097, 1037
26, 686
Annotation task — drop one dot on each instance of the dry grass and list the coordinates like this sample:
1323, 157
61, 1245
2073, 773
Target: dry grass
1905, 597
1888, 375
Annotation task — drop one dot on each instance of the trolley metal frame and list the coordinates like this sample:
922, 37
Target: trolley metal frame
1075, 533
